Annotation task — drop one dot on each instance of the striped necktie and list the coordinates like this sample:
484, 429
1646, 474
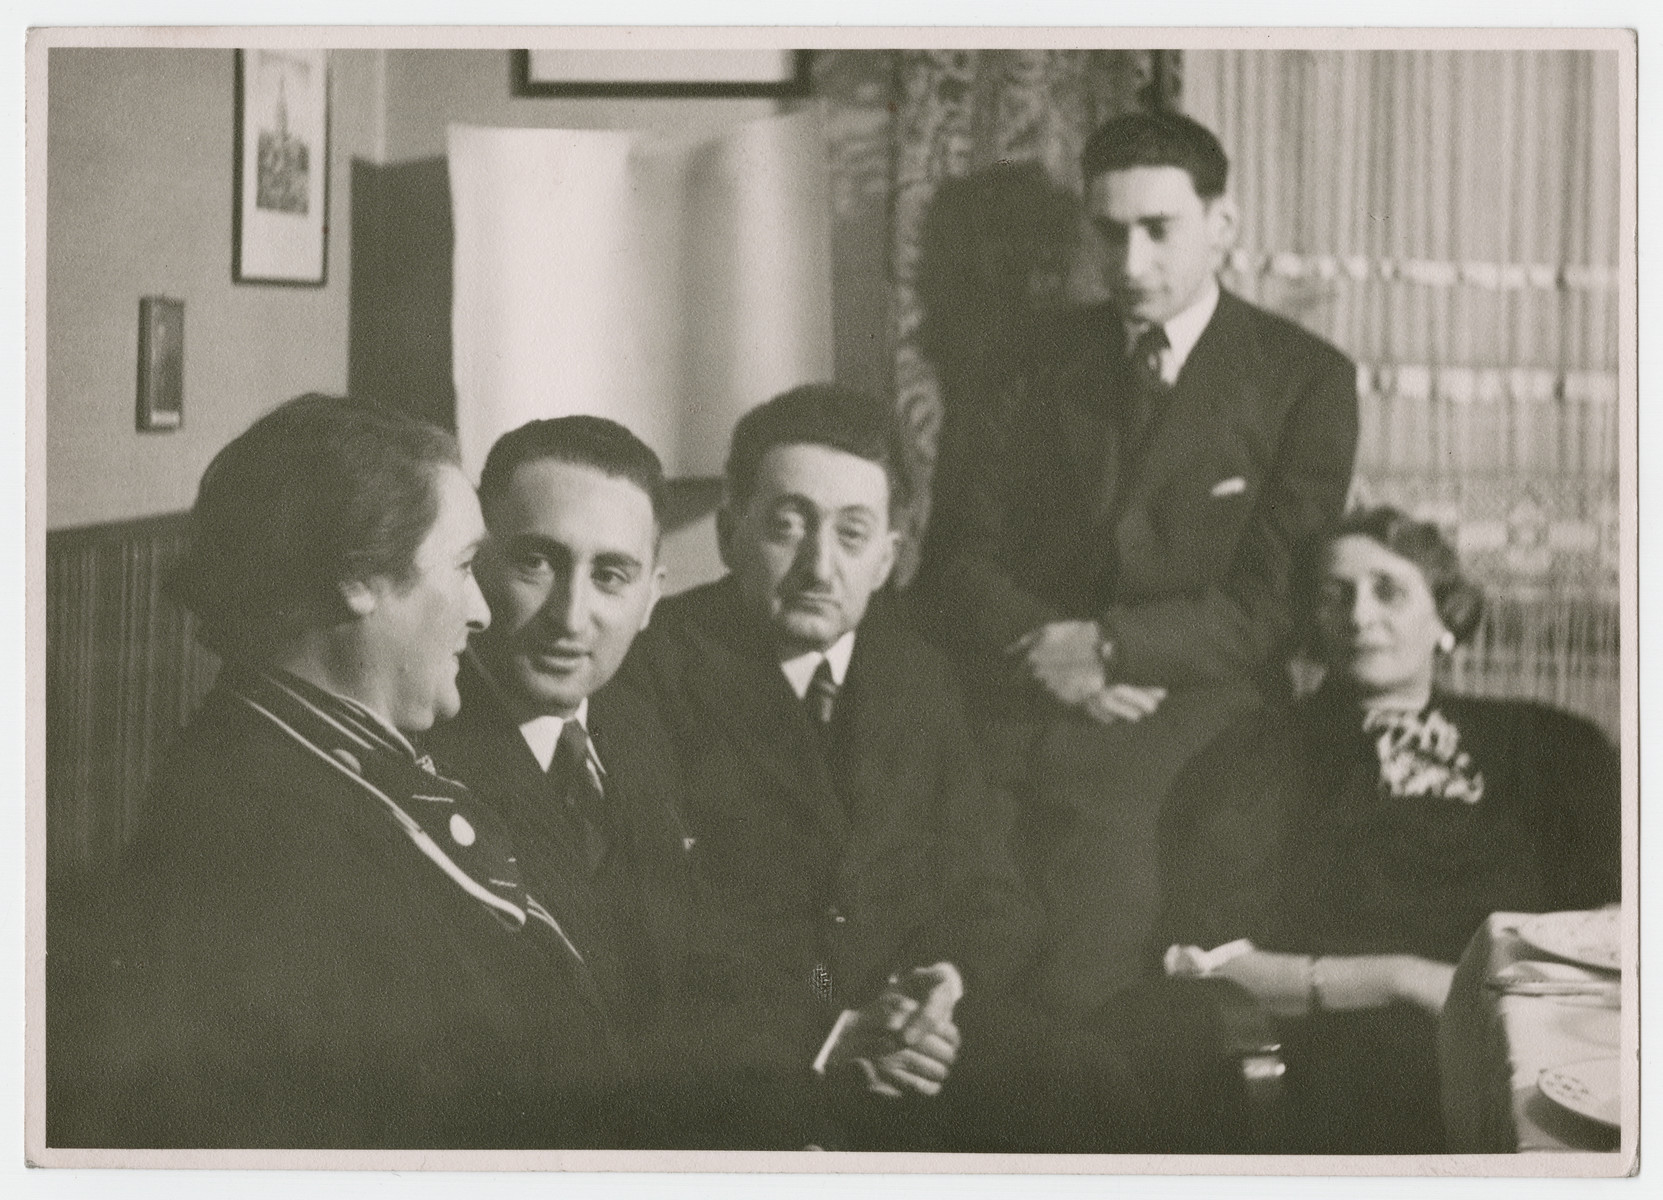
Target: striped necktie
579, 790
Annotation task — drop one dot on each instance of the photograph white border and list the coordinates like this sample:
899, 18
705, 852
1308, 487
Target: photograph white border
1176, 38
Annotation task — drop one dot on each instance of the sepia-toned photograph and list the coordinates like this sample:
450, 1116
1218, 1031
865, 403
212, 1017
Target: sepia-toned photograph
835, 600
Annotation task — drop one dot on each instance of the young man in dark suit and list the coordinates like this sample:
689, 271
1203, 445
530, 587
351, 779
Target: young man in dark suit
579, 767
1115, 564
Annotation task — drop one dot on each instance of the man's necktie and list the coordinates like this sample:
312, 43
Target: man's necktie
579, 790
1148, 388
821, 697
1148, 349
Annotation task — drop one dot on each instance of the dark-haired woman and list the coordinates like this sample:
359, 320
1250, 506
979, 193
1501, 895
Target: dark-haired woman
314, 939
1410, 814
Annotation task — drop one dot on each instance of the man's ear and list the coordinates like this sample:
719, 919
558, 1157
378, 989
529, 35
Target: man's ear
655, 593
1223, 223
726, 525
359, 596
891, 547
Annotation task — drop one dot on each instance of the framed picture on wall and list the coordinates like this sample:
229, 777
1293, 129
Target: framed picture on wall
280, 224
161, 392
660, 73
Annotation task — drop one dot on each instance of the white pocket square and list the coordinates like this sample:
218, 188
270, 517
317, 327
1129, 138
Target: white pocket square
1234, 486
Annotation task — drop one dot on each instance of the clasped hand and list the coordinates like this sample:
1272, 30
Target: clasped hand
1065, 658
905, 1039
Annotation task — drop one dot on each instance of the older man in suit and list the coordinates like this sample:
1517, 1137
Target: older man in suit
847, 826
834, 787
1115, 564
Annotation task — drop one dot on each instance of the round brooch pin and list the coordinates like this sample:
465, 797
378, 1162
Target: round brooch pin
461, 830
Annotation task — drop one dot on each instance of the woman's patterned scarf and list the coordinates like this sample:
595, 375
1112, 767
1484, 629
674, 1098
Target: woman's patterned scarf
1421, 757
445, 821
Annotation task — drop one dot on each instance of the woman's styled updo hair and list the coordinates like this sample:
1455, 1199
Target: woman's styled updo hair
1460, 603
321, 490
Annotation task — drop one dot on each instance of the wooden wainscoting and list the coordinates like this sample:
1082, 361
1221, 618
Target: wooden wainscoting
122, 674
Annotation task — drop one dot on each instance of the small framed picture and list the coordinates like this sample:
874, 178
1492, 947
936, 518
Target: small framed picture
660, 73
161, 393
280, 225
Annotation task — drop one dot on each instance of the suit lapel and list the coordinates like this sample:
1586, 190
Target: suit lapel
1213, 391
1088, 384
873, 713
742, 689
652, 831
487, 751
491, 730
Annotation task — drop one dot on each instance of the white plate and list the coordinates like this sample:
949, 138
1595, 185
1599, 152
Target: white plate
1591, 1089
1594, 939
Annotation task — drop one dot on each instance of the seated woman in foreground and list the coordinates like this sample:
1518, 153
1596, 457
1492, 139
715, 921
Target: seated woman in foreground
314, 940
1406, 815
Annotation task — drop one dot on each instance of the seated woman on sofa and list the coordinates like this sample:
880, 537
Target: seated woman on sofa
1401, 816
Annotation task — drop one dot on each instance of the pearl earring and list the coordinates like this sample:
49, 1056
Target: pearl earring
1446, 642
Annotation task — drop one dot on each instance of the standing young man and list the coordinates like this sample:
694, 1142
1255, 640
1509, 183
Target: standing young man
1117, 569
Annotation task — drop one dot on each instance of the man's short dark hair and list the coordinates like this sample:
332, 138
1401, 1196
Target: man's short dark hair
581, 441
321, 490
820, 414
1158, 139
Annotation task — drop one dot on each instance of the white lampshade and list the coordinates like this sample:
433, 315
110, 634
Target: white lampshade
671, 285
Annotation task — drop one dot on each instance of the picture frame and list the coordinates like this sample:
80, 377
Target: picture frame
161, 385
660, 74
280, 215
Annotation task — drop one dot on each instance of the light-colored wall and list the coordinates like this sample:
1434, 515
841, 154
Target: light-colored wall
429, 89
139, 195
139, 203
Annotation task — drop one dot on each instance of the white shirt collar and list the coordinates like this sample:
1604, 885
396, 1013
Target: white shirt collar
543, 733
1183, 331
799, 671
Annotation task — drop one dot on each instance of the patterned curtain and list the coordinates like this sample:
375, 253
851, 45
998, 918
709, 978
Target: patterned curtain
954, 177
1451, 220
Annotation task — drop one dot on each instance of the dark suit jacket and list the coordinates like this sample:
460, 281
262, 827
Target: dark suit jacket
1181, 546
884, 851
1183, 550
711, 1074
631, 918
276, 963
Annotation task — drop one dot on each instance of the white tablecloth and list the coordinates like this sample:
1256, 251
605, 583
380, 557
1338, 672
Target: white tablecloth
1494, 1046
